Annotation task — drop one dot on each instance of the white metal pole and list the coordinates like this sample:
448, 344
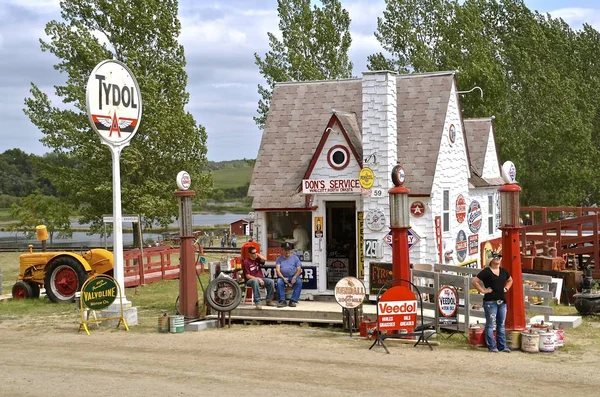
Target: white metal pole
119, 271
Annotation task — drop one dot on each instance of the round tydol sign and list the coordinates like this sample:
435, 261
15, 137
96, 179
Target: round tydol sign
114, 102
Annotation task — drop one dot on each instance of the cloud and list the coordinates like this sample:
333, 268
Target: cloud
576, 17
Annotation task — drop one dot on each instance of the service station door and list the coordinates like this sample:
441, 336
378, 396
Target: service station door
341, 241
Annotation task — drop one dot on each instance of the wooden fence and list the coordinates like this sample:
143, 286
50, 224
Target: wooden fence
430, 281
151, 265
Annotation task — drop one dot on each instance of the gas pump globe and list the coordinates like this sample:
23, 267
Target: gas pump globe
509, 205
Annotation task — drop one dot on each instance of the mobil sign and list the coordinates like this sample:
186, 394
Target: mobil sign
397, 310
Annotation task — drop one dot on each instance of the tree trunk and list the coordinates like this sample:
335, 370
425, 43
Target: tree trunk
136, 235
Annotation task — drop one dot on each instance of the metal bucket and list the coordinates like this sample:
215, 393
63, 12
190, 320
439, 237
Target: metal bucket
163, 323
547, 342
513, 340
530, 342
176, 324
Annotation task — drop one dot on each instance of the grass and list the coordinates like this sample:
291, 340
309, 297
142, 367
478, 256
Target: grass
231, 177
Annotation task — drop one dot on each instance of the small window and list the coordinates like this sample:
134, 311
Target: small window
446, 212
491, 206
338, 157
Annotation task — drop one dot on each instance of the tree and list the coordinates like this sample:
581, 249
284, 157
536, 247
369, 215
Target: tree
314, 46
142, 34
538, 76
37, 209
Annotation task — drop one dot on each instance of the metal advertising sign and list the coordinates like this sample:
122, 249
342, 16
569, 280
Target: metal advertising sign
99, 293
413, 238
349, 292
184, 181
438, 237
360, 248
447, 303
366, 177
114, 102
461, 245
461, 208
473, 244
475, 217
397, 310
379, 274
417, 209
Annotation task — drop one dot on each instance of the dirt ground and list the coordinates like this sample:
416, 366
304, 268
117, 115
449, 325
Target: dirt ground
272, 360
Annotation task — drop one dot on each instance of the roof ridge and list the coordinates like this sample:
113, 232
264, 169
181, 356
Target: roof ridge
317, 81
427, 74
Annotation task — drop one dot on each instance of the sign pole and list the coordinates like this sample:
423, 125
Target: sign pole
119, 271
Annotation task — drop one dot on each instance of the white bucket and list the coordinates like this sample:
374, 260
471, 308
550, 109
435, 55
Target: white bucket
547, 342
176, 324
530, 342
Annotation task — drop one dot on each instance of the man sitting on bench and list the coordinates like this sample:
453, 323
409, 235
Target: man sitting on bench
289, 273
255, 279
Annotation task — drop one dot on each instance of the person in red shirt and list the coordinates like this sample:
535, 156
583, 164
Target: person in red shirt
255, 278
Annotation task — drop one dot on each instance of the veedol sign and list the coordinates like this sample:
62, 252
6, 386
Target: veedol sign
315, 186
114, 102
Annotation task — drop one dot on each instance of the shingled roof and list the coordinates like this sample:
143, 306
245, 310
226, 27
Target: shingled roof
297, 118
422, 107
477, 132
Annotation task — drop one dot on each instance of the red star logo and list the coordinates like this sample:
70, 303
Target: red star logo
114, 126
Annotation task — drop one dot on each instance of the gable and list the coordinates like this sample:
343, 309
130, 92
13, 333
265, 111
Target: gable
336, 155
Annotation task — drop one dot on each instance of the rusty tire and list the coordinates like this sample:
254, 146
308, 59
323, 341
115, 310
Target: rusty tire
223, 294
64, 277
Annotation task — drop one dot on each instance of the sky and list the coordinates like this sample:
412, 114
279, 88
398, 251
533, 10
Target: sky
220, 38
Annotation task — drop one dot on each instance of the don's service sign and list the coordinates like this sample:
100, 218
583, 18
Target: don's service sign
114, 102
99, 293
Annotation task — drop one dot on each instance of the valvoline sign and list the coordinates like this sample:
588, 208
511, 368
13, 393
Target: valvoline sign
397, 310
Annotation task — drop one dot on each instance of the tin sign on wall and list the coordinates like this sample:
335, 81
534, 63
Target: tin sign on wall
417, 209
461, 246
473, 244
461, 208
475, 216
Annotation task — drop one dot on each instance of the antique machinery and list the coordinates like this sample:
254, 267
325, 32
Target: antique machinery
588, 300
61, 273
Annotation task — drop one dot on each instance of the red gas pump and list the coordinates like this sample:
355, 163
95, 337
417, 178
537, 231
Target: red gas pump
399, 224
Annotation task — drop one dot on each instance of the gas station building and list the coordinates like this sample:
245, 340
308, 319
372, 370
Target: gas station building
320, 135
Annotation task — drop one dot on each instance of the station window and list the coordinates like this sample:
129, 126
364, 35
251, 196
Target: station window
446, 212
491, 206
289, 226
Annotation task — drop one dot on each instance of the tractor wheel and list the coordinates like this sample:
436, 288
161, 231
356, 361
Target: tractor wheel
64, 277
35, 289
21, 290
223, 294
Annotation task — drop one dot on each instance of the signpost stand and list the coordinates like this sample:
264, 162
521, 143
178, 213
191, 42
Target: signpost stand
397, 314
114, 107
349, 294
98, 293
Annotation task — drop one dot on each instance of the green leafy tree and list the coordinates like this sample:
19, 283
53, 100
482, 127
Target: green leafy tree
314, 46
537, 75
37, 209
142, 34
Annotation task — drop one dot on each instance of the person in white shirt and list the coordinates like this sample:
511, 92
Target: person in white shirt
300, 237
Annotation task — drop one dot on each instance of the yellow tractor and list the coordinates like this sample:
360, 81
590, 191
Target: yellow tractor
60, 273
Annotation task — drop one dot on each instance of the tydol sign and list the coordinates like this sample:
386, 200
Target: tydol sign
114, 102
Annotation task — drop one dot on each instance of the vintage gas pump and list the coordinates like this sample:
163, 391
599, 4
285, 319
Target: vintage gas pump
399, 224
188, 290
511, 253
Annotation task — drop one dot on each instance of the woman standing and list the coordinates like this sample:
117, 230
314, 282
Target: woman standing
496, 282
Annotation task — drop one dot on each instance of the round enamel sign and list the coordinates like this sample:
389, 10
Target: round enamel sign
366, 177
417, 209
349, 292
447, 301
114, 102
452, 133
475, 216
461, 208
